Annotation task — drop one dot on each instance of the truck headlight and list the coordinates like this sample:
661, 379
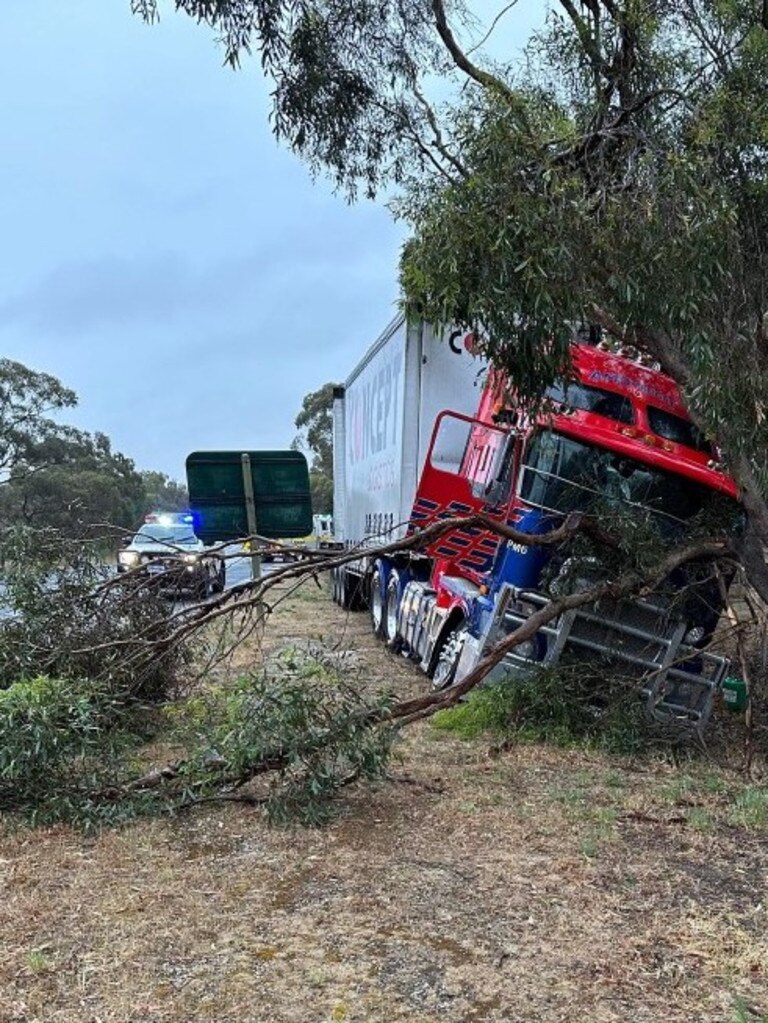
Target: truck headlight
694, 635
128, 558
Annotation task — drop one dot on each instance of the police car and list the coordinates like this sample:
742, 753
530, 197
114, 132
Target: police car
166, 550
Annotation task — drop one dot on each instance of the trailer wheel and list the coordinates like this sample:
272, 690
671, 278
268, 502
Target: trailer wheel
448, 655
376, 602
391, 606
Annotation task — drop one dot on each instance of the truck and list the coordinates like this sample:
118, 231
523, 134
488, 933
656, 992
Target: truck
419, 438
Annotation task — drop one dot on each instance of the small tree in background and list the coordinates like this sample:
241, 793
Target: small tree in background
315, 425
163, 493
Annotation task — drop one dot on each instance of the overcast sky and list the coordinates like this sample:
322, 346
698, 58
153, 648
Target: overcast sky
160, 254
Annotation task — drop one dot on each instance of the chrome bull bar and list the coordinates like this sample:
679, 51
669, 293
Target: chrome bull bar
678, 682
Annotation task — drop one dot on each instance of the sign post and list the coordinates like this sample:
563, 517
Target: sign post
250, 514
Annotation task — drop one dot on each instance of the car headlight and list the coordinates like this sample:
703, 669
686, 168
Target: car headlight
129, 558
190, 559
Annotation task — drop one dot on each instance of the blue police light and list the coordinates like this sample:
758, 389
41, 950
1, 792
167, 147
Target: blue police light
187, 518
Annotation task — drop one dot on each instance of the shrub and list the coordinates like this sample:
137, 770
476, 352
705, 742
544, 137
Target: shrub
302, 718
565, 704
60, 741
63, 617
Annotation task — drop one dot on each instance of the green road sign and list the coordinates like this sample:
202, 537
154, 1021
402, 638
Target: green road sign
219, 494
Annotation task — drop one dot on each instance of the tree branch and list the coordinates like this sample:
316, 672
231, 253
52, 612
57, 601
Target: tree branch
477, 74
408, 711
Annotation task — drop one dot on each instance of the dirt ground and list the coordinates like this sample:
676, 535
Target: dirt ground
477, 886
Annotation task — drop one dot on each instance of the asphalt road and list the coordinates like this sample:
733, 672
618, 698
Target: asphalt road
239, 567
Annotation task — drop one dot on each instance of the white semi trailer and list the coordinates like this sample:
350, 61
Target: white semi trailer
383, 417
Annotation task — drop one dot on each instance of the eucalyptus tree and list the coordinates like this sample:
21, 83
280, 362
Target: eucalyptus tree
51, 474
615, 173
315, 425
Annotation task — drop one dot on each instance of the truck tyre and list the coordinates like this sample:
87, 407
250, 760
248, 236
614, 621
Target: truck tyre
376, 602
448, 654
391, 605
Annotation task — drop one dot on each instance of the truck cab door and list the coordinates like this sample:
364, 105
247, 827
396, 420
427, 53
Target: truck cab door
470, 467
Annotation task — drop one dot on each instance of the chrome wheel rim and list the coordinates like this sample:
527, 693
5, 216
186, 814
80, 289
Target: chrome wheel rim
448, 660
377, 610
392, 605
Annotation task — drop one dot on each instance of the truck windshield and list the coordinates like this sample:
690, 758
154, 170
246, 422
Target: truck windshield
563, 475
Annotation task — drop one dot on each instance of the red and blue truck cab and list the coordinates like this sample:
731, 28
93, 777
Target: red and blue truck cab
618, 432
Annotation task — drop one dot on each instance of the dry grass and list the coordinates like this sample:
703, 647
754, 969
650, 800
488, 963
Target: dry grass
535, 884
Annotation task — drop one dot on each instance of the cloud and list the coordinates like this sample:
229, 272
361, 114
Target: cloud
121, 293
92, 294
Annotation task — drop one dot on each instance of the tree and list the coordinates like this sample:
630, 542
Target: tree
163, 493
54, 475
339, 70
615, 175
76, 484
315, 425
26, 399
626, 187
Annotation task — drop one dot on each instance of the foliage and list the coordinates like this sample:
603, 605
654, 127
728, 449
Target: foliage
337, 70
622, 187
78, 486
67, 747
744, 1014
55, 475
750, 808
321, 490
564, 704
315, 425
161, 493
63, 618
301, 716
59, 740
26, 399
615, 174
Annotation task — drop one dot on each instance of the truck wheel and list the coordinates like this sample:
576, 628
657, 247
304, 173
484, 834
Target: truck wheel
448, 655
376, 602
391, 607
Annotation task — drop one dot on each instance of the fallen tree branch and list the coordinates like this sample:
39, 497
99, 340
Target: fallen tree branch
407, 712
